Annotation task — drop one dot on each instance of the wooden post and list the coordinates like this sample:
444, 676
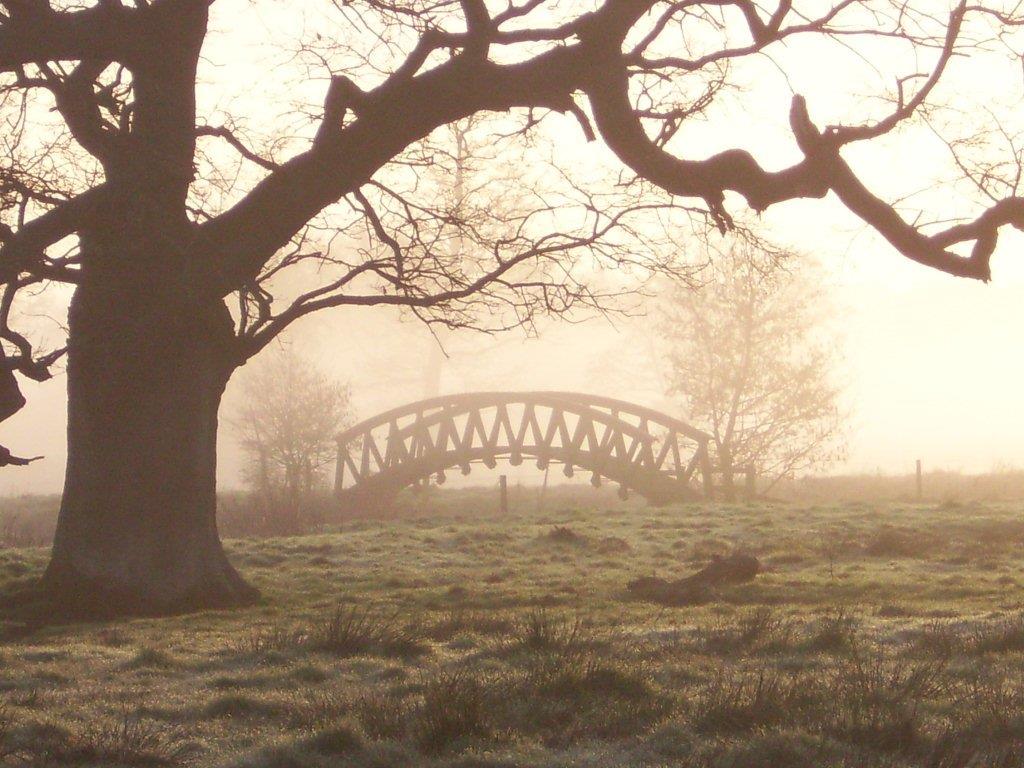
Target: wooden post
543, 490
339, 472
920, 484
706, 471
503, 488
750, 483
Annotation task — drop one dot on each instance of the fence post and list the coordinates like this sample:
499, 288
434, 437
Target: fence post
503, 488
339, 472
750, 483
920, 484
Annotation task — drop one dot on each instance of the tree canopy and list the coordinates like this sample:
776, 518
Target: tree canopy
100, 103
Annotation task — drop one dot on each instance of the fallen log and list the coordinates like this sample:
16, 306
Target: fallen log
698, 588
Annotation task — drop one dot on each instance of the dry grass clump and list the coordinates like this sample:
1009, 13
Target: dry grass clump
743, 700
1002, 635
457, 621
759, 630
541, 629
835, 631
878, 701
563, 534
127, 740
354, 631
347, 631
893, 541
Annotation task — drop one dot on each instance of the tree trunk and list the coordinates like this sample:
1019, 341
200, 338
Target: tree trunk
137, 531
728, 472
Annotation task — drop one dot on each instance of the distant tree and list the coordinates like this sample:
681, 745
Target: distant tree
751, 358
286, 424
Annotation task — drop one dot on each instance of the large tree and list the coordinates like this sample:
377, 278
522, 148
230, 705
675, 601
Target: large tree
113, 182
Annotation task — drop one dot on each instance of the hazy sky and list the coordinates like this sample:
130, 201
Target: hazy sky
933, 364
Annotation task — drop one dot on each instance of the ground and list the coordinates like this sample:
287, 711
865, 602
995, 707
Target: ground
877, 635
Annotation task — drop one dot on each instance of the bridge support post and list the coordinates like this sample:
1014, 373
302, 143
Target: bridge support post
503, 491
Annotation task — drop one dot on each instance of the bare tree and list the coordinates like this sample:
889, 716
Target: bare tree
287, 422
755, 363
175, 225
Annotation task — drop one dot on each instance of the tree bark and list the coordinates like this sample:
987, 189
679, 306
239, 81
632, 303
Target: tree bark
137, 530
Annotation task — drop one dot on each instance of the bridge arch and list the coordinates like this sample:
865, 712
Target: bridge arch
642, 449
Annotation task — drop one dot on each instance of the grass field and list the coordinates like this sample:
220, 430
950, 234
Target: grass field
877, 635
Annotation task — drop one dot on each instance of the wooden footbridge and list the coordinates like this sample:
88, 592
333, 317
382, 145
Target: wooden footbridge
643, 450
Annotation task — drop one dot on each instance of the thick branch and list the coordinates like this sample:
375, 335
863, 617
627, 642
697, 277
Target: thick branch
34, 33
25, 247
390, 118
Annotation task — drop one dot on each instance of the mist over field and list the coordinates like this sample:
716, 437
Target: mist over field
511, 384
929, 371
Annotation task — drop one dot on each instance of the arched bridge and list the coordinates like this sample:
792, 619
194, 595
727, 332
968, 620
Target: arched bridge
662, 458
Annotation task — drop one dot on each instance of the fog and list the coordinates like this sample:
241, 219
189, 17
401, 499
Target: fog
931, 370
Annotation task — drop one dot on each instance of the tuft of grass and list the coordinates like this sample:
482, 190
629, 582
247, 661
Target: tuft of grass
892, 541
563, 534
125, 741
760, 629
833, 632
347, 631
355, 631
1003, 635
543, 630
456, 708
235, 705
747, 700
152, 658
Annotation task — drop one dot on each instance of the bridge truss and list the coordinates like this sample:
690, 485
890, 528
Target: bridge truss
643, 450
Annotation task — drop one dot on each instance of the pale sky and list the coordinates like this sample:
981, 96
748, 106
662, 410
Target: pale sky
933, 364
